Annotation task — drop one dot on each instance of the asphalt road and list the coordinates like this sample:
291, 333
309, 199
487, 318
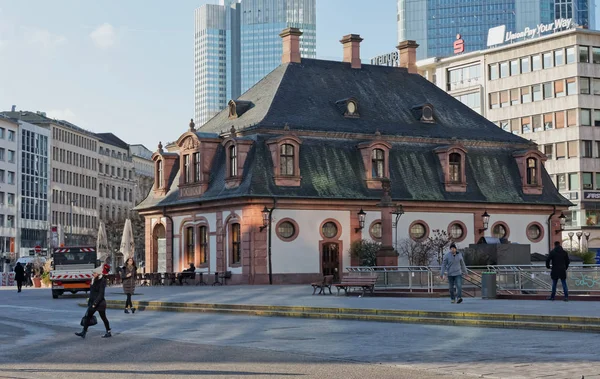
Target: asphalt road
37, 341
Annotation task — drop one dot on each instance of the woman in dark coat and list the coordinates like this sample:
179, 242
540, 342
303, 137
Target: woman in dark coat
129, 277
97, 301
19, 276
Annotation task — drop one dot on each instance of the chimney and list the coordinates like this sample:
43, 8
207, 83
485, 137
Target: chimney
291, 45
408, 55
14, 107
351, 44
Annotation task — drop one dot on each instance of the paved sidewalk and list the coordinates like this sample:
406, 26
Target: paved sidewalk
300, 295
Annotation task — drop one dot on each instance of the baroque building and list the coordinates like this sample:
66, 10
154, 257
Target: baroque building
316, 155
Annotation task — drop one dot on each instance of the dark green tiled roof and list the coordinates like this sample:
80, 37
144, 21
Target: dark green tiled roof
333, 169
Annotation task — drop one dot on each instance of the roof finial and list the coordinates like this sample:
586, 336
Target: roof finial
160, 147
192, 125
377, 133
286, 127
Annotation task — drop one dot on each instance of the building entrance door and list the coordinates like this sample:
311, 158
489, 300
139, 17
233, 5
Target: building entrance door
331, 259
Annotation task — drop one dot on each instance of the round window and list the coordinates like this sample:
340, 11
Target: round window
330, 229
534, 232
499, 231
417, 231
376, 230
456, 231
286, 229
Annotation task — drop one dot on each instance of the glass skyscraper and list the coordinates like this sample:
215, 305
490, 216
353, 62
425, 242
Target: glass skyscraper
435, 24
237, 43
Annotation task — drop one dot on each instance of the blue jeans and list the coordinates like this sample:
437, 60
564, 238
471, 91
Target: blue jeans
564, 285
455, 280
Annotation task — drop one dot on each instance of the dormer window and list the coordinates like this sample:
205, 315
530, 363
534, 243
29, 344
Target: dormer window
233, 163
232, 113
532, 178
376, 157
348, 107
452, 161
530, 167
286, 160
238, 108
455, 168
424, 113
285, 154
377, 163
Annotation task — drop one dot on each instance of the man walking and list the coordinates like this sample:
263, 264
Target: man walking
454, 265
560, 263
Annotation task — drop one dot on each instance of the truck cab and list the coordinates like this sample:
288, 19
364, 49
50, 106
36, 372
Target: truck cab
72, 269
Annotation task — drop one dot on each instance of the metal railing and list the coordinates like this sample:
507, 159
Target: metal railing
510, 279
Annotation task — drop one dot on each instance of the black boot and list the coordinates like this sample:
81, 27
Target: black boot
126, 310
107, 335
132, 310
81, 334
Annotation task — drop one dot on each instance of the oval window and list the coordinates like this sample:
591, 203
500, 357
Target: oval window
534, 232
499, 231
330, 229
417, 231
376, 230
286, 229
456, 231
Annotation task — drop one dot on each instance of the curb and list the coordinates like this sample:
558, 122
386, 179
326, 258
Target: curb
473, 319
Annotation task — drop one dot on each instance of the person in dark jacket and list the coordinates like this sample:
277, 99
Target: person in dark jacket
97, 301
560, 261
28, 273
129, 277
19, 276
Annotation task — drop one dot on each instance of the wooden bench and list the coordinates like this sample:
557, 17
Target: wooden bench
325, 283
356, 280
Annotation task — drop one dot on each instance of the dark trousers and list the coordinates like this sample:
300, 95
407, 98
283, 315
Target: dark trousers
19, 285
564, 286
101, 308
128, 303
29, 281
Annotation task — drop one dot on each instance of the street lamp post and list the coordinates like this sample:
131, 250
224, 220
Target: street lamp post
397, 212
579, 234
267, 216
71, 223
571, 234
587, 240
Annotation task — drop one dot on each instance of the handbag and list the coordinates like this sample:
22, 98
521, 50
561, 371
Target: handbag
91, 322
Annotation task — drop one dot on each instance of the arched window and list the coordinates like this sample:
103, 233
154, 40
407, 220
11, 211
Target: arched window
532, 178
130, 196
189, 245
113, 192
100, 190
119, 193
187, 169
203, 243
100, 212
455, 168
236, 244
197, 167
377, 163
159, 173
233, 169
286, 160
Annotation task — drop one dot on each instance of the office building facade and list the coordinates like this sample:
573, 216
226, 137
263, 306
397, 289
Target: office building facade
547, 90
435, 24
33, 204
9, 129
237, 43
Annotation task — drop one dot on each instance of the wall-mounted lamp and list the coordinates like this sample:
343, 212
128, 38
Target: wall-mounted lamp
361, 220
563, 220
398, 211
485, 217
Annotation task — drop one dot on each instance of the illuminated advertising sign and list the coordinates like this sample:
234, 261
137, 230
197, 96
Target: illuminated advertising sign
498, 35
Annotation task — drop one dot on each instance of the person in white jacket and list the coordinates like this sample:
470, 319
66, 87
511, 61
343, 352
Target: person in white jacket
454, 265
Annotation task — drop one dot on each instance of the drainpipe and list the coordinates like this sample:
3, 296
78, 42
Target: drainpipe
550, 228
172, 231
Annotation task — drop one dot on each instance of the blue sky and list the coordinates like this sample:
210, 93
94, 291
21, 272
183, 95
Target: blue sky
126, 67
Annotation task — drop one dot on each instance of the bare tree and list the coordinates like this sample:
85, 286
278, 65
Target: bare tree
417, 252
438, 243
